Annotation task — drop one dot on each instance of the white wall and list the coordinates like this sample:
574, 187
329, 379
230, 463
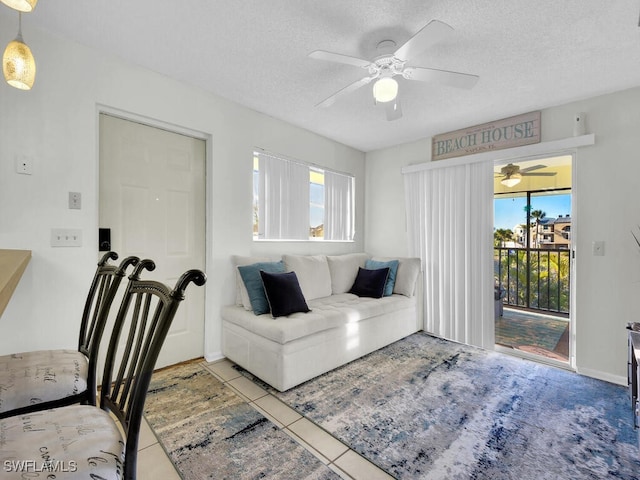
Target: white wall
606, 195
56, 125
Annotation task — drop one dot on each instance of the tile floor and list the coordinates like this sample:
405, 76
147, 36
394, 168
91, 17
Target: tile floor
153, 462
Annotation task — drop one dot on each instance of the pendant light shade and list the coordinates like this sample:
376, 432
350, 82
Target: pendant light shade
385, 89
21, 5
511, 180
18, 64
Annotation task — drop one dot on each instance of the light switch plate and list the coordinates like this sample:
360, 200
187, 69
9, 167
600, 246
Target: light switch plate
75, 200
24, 165
66, 237
598, 248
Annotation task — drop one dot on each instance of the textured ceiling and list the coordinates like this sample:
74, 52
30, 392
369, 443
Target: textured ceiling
529, 54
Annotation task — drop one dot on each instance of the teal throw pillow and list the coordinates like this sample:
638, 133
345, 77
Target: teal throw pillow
250, 275
392, 265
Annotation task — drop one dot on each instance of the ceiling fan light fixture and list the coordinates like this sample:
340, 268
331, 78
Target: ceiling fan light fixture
21, 5
18, 64
511, 180
385, 89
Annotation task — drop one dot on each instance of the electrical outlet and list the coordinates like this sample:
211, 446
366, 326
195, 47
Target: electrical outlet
598, 248
75, 200
66, 237
24, 165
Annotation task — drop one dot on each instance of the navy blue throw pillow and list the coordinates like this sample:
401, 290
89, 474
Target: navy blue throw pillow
283, 293
370, 283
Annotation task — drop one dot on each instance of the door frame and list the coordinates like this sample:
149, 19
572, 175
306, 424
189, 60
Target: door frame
208, 166
574, 278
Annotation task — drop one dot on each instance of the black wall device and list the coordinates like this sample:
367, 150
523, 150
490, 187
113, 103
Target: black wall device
104, 239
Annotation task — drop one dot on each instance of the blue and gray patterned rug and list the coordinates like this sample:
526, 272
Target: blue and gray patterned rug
428, 408
211, 433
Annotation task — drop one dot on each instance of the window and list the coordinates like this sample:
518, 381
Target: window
316, 202
293, 200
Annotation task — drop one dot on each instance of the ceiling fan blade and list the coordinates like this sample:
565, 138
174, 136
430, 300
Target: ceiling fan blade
431, 33
534, 167
338, 57
393, 110
327, 102
443, 77
541, 174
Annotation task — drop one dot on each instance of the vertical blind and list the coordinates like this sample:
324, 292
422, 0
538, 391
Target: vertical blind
450, 218
284, 200
339, 222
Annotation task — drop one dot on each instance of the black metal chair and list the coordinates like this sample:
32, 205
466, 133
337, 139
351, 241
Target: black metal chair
37, 380
85, 439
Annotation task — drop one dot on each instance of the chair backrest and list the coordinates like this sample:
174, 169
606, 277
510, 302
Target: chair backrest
143, 320
96, 311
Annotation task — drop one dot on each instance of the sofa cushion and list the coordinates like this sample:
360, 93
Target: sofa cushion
326, 313
343, 270
370, 283
392, 265
312, 272
251, 277
408, 271
242, 297
283, 293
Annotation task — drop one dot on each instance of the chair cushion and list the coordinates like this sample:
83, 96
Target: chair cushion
80, 439
30, 378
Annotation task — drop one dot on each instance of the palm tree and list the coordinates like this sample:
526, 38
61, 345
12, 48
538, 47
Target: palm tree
502, 235
538, 215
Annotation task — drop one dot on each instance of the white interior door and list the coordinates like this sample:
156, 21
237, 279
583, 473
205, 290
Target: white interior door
152, 197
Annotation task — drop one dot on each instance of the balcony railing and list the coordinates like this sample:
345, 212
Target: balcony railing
538, 279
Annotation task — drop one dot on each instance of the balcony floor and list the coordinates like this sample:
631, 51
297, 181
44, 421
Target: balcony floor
536, 333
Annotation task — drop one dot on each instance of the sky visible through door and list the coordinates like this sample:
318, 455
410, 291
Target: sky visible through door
511, 211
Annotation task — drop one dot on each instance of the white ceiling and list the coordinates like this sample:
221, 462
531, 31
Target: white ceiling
529, 54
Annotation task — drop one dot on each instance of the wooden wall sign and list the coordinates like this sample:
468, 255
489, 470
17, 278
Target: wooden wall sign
506, 133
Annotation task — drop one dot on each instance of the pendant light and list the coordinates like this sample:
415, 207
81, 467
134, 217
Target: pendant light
385, 89
18, 64
21, 5
511, 180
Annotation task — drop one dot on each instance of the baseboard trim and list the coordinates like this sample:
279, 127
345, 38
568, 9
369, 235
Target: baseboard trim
607, 377
213, 357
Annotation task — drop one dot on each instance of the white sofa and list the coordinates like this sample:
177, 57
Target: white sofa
340, 327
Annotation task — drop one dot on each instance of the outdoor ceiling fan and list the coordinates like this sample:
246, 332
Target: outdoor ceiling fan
512, 174
384, 67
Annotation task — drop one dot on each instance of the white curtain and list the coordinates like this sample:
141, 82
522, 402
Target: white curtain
283, 199
339, 223
450, 227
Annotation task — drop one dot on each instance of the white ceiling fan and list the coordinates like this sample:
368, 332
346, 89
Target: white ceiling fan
384, 67
512, 174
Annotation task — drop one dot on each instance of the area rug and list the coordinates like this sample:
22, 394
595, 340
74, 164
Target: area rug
211, 433
428, 408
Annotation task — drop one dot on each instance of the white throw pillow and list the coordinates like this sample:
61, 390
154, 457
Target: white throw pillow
408, 270
344, 269
312, 272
